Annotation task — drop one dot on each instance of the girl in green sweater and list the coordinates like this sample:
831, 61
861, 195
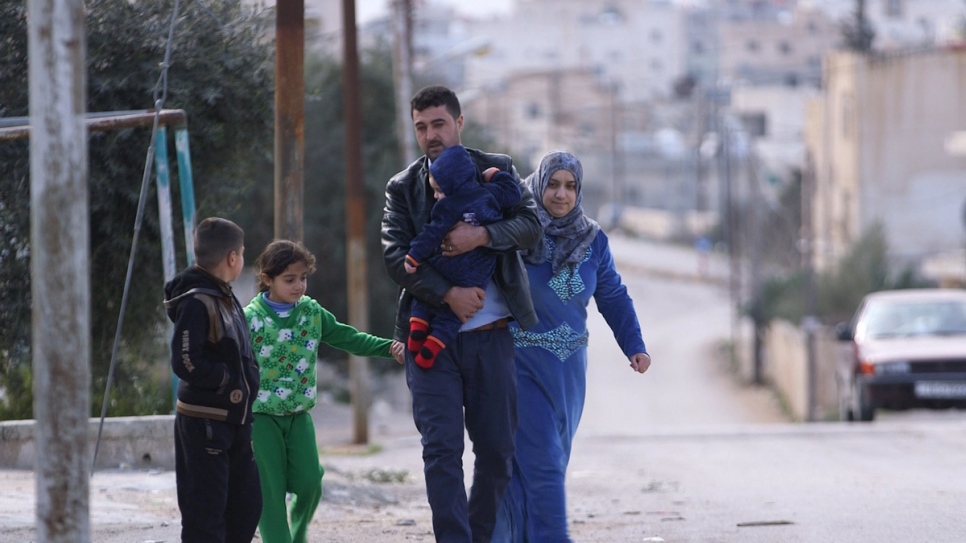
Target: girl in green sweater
286, 330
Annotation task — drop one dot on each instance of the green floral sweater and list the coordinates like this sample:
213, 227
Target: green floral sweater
286, 350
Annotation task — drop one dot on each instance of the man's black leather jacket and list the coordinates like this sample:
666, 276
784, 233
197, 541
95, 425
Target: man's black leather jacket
409, 200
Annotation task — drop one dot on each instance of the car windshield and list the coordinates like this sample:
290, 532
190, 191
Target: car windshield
909, 318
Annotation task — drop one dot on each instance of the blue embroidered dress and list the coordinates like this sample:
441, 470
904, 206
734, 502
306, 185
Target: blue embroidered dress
551, 364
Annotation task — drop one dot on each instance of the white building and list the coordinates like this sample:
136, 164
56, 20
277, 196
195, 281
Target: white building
901, 24
876, 138
639, 46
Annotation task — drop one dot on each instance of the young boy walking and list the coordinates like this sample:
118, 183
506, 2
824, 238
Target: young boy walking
219, 493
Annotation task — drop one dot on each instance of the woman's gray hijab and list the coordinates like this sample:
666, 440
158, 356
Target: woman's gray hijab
574, 232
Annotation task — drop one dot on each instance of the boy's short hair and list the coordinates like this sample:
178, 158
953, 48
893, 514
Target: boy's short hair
436, 95
215, 239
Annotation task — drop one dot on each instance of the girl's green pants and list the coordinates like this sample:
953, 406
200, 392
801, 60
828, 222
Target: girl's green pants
288, 462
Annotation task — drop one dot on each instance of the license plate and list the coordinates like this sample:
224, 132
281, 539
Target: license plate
940, 390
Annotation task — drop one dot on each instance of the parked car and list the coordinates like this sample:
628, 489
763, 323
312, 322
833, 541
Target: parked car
908, 350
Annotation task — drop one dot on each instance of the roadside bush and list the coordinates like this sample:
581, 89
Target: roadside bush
838, 292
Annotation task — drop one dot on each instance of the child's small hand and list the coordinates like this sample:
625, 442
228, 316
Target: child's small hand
396, 349
410, 268
489, 173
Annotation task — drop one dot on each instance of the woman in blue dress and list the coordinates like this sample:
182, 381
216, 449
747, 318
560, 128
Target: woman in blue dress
571, 263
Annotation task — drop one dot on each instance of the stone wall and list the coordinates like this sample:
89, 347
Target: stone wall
126, 442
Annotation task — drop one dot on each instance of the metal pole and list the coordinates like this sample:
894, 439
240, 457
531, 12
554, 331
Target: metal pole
186, 182
358, 301
403, 77
60, 267
163, 178
289, 117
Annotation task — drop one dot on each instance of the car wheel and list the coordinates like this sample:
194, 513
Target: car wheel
863, 409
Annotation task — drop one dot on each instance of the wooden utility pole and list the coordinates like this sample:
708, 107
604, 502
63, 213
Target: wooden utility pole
355, 216
402, 66
59, 267
289, 117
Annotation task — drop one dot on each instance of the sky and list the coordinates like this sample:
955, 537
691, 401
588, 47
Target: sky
369, 9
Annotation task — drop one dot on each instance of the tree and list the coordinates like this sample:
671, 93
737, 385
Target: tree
221, 75
325, 231
858, 31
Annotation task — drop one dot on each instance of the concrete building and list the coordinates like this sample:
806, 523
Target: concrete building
900, 24
774, 117
633, 44
638, 154
784, 48
538, 111
875, 139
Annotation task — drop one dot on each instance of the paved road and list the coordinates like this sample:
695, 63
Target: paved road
686, 323
682, 452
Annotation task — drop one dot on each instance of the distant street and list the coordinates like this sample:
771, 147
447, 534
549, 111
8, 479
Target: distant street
685, 322
686, 454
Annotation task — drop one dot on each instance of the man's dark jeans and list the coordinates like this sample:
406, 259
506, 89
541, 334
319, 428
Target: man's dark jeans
476, 373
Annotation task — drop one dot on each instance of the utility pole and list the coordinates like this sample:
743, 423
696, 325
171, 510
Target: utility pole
289, 118
356, 275
809, 321
755, 239
60, 267
729, 237
615, 192
402, 71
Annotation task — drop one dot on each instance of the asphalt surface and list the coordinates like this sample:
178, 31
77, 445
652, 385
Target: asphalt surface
682, 453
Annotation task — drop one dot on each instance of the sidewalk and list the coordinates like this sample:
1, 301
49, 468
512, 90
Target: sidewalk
374, 493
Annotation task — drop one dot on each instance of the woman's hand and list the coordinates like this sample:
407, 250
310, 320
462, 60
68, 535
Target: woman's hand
396, 350
640, 362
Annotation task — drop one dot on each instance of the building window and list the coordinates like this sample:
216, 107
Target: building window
753, 46
610, 16
533, 110
656, 36
756, 124
893, 8
785, 48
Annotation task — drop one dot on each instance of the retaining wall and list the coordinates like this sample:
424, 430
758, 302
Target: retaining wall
134, 442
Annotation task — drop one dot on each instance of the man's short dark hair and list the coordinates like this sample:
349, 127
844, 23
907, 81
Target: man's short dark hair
436, 95
215, 239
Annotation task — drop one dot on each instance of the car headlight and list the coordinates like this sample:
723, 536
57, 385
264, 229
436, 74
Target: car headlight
901, 366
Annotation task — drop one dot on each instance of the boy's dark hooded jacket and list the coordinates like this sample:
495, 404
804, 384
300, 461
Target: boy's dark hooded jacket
211, 351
